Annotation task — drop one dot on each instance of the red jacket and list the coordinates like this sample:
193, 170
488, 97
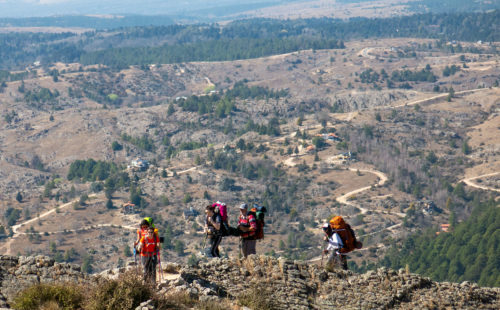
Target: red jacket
248, 221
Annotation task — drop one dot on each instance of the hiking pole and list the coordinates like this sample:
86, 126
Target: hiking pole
159, 266
135, 259
202, 252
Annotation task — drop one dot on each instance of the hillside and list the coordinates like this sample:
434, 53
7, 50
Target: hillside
396, 134
467, 252
258, 283
184, 140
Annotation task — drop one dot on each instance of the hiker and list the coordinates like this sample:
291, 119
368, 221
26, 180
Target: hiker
341, 240
247, 225
148, 247
213, 227
143, 228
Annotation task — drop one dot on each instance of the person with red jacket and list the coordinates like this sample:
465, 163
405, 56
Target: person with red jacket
247, 224
148, 247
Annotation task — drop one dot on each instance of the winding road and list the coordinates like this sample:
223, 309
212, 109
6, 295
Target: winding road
469, 182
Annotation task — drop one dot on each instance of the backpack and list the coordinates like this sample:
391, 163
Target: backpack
259, 212
345, 232
221, 209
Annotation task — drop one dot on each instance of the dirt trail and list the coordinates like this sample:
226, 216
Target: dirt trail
15, 228
439, 96
344, 198
469, 182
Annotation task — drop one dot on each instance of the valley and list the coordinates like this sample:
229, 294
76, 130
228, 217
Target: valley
408, 133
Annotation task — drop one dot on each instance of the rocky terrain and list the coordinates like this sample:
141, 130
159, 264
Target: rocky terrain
285, 284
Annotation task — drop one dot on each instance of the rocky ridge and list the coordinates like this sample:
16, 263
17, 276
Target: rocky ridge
288, 284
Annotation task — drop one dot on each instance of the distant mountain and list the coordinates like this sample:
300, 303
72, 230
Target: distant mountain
31, 8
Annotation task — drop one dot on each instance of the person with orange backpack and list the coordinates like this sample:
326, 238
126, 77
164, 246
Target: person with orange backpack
247, 225
148, 247
341, 240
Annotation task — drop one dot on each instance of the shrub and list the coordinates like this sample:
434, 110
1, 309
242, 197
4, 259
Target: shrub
257, 298
50, 296
176, 300
127, 292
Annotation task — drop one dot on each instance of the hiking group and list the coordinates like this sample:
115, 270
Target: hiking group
339, 237
250, 227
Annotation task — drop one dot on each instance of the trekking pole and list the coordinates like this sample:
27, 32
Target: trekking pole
135, 258
203, 247
241, 246
159, 266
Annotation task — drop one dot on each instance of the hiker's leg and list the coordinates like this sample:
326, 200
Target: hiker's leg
252, 247
244, 247
213, 244
218, 239
144, 261
329, 261
343, 260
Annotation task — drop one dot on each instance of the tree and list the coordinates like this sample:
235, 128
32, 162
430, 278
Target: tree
206, 195
171, 109
431, 157
126, 251
187, 198
318, 142
378, 117
241, 144
83, 199
87, 262
299, 121
109, 204
466, 148
19, 197
115, 146
179, 247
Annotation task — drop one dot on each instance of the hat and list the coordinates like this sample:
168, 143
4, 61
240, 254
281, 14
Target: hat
243, 206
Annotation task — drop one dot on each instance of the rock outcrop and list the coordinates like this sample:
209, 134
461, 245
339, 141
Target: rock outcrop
298, 285
18, 273
286, 284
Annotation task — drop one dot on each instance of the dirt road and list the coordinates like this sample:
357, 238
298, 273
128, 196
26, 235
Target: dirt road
344, 198
469, 182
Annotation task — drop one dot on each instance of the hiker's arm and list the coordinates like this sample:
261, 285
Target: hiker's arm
214, 223
253, 225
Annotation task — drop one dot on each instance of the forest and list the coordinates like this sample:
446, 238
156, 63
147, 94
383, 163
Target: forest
468, 253
237, 40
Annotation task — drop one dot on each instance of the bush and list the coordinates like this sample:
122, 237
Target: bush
50, 296
127, 292
257, 298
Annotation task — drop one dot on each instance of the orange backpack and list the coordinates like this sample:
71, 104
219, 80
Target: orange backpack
345, 232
